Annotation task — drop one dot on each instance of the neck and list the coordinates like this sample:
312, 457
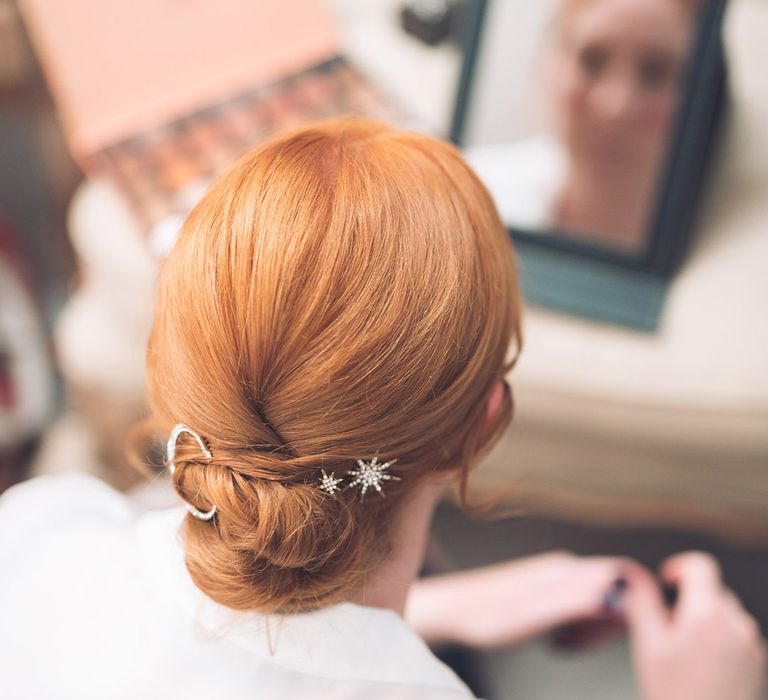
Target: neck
611, 208
388, 586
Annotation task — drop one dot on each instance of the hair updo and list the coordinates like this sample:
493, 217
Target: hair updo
345, 291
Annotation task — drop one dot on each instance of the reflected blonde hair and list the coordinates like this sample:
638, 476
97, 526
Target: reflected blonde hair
345, 291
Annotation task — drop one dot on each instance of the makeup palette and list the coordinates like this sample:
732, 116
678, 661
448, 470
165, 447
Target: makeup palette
164, 171
161, 97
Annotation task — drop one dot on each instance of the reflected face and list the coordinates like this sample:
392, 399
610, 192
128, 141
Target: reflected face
616, 78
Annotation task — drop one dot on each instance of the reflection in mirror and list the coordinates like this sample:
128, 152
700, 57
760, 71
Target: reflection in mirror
571, 112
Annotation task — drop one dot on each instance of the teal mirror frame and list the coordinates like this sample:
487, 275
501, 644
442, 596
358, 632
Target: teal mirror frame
596, 282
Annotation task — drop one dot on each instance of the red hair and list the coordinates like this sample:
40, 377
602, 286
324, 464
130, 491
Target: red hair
345, 291
567, 8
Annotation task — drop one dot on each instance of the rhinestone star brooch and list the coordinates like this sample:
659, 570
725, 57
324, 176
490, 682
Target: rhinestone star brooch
370, 475
329, 483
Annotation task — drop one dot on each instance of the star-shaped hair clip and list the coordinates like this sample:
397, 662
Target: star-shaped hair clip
329, 483
370, 475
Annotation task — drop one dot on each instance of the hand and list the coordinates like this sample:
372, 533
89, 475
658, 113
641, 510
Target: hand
511, 602
707, 648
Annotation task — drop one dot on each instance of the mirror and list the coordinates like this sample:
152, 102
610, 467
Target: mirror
570, 113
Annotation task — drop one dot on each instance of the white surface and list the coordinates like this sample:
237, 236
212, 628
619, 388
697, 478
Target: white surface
524, 177
422, 79
102, 331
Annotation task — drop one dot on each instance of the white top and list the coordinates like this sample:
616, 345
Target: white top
524, 177
96, 602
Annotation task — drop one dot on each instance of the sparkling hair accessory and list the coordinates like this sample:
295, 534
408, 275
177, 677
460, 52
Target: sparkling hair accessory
170, 453
368, 474
371, 474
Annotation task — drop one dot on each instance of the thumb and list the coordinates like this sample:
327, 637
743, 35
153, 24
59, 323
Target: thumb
644, 607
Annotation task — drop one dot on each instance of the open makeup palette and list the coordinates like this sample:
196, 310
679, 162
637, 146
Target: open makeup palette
160, 97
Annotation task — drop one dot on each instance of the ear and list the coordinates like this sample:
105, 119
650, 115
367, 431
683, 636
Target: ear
493, 406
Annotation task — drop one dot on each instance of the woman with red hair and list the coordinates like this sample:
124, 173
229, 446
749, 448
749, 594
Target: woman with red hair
330, 342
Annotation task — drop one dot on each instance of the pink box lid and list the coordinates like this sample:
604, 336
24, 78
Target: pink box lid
119, 67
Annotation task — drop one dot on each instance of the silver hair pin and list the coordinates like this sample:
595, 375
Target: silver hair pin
170, 453
329, 483
370, 475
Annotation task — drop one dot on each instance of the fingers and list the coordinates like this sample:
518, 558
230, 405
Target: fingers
702, 595
743, 621
706, 646
577, 585
696, 576
644, 607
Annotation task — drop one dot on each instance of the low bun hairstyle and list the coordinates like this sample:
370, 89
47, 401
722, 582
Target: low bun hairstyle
345, 291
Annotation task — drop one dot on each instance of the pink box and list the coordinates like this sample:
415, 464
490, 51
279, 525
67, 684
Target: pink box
121, 67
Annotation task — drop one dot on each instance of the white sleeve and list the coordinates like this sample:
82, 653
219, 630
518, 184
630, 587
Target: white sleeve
49, 504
